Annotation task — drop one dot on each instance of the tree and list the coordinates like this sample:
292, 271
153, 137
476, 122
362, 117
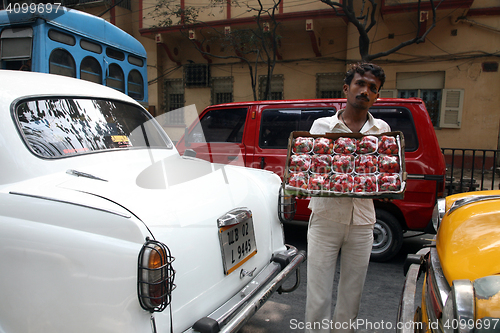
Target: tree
253, 45
366, 20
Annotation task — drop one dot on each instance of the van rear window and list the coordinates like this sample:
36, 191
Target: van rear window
400, 119
276, 125
220, 125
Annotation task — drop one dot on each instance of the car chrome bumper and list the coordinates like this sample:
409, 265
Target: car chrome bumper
233, 314
406, 311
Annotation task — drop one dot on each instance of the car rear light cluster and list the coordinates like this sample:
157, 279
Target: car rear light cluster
155, 276
286, 206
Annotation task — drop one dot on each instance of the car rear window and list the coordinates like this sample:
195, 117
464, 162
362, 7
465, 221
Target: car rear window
276, 125
65, 126
400, 119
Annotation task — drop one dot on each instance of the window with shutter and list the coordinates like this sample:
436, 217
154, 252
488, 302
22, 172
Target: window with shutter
451, 108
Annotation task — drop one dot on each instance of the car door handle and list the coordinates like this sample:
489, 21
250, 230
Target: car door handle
262, 162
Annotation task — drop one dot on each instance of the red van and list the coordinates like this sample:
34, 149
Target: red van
255, 134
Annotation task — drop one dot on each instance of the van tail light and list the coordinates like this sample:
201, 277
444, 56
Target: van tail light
155, 280
440, 188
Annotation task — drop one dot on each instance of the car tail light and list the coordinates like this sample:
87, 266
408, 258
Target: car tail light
155, 276
286, 206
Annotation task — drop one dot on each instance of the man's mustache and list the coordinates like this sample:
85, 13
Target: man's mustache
362, 97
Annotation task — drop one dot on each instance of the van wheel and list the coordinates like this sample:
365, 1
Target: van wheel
387, 236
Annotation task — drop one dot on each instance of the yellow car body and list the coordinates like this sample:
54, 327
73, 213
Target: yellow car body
461, 288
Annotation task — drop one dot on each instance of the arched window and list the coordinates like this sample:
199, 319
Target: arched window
135, 85
62, 63
115, 79
90, 70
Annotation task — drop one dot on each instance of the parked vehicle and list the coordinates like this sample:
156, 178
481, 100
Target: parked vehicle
96, 204
461, 287
255, 134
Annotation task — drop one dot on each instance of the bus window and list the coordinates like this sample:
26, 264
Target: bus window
115, 79
135, 85
90, 70
89, 46
115, 54
62, 63
135, 61
62, 37
15, 47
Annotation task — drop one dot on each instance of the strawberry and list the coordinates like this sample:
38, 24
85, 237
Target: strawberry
342, 183
343, 163
319, 182
323, 146
365, 164
299, 180
388, 164
300, 162
302, 145
389, 182
388, 145
365, 184
345, 146
367, 144
321, 163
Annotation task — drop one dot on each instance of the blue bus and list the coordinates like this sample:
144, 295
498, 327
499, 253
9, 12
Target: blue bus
73, 43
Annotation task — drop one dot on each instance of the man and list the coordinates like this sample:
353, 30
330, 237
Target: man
342, 223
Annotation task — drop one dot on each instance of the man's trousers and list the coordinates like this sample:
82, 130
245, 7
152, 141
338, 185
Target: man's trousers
325, 240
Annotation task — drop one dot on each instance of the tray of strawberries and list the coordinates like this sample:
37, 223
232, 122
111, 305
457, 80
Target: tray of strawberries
346, 164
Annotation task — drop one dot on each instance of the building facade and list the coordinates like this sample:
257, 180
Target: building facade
455, 69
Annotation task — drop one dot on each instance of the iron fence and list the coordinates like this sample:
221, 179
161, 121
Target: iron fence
471, 169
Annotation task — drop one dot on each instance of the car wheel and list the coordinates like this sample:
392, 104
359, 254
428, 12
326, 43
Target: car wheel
387, 236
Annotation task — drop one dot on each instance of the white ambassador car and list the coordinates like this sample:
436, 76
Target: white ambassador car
104, 227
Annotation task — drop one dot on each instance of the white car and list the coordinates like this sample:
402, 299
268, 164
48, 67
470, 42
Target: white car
104, 227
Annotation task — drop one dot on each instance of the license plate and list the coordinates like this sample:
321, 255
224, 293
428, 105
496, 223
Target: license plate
237, 245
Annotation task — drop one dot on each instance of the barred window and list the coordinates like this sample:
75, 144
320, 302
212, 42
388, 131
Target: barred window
222, 90
174, 102
329, 85
276, 90
426, 85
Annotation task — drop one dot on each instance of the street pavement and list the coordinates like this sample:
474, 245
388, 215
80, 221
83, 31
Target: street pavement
379, 305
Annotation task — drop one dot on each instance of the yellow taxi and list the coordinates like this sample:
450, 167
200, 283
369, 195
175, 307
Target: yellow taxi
461, 286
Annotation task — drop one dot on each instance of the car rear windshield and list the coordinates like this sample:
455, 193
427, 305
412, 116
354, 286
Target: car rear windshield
71, 126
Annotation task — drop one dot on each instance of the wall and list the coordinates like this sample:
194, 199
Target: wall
448, 48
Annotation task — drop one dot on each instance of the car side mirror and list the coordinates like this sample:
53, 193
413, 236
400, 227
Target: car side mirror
189, 153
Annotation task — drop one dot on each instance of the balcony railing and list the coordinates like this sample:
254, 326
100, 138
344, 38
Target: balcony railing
471, 169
